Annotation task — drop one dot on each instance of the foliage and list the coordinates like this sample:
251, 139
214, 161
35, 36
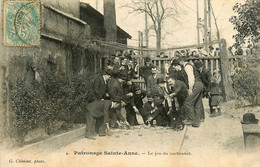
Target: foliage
246, 82
56, 97
247, 21
27, 107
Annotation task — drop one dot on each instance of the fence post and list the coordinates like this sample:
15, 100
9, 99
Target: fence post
226, 85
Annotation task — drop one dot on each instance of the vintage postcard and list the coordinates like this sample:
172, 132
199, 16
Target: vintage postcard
129, 83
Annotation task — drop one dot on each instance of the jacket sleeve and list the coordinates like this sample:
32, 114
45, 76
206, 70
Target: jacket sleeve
97, 86
177, 88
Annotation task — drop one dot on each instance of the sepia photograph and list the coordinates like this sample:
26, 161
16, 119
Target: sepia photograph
129, 83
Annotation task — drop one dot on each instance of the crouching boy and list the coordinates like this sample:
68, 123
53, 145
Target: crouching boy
150, 111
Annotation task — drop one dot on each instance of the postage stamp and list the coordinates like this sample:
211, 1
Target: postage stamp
21, 23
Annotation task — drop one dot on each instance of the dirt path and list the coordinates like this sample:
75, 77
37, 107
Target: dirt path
217, 142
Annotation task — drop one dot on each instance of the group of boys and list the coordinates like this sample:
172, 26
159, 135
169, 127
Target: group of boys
172, 101
114, 89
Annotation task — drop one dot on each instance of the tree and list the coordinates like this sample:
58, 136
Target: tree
247, 21
158, 11
110, 20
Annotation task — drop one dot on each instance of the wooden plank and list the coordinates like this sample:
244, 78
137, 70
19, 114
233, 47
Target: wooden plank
100, 63
95, 63
226, 84
217, 67
160, 66
154, 63
211, 66
207, 63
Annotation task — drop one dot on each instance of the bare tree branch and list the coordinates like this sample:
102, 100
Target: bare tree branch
158, 11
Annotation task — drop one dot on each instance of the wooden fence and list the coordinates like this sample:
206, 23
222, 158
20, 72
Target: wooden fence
221, 64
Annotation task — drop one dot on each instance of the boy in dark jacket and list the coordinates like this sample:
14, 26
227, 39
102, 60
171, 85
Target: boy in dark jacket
214, 98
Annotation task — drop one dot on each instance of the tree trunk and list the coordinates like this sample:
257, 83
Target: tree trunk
110, 20
158, 38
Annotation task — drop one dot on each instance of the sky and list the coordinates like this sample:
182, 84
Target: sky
178, 34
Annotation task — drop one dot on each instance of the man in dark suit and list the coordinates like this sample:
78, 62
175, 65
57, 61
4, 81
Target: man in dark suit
167, 103
177, 71
193, 102
95, 110
146, 70
138, 97
100, 85
150, 111
180, 92
128, 98
131, 70
152, 86
115, 92
206, 79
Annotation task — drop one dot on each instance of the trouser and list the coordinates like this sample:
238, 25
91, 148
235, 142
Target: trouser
202, 116
131, 115
210, 107
193, 103
182, 108
100, 126
176, 116
90, 125
162, 119
115, 115
145, 81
